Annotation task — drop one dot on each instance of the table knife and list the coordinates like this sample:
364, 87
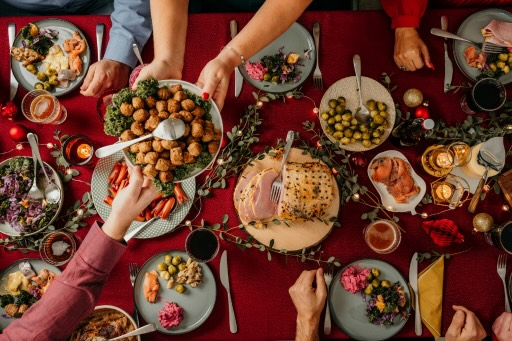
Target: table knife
413, 280
11, 30
239, 81
100, 28
224, 279
448, 66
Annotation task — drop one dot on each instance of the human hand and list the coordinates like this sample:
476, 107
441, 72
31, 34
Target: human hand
501, 327
128, 203
465, 326
158, 69
411, 53
103, 75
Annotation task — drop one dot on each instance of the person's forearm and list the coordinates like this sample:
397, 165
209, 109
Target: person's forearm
307, 330
404, 13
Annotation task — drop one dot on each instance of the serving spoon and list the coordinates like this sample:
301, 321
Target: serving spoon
168, 129
52, 191
137, 53
362, 114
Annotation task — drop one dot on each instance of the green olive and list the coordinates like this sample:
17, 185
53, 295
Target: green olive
339, 127
363, 129
41, 76
161, 266
347, 117
325, 116
371, 105
357, 135
32, 68
332, 112
329, 130
53, 80
338, 135
366, 143
385, 284
333, 103
275, 79
176, 260
182, 266
376, 140
340, 109
47, 86
382, 106
172, 269
375, 272
168, 259
165, 275
368, 290
366, 135
39, 86
378, 119
266, 77
374, 113
341, 100
338, 118
353, 127
375, 283
345, 123
345, 140
383, 114
180, 289
331, 120
348, 132
353, 121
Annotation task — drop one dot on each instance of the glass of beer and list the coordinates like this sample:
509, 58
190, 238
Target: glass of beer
382, 236
40, 106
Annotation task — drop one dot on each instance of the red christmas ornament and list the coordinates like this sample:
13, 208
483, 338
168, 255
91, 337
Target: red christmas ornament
9, 111
443, 232
422, 111
358, 160
18, 133
135, 74
224, 142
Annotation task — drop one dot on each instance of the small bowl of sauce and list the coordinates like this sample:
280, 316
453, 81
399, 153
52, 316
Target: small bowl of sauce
382, 236
57, 248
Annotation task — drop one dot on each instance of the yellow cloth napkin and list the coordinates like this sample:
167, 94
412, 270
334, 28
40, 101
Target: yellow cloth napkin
430, 287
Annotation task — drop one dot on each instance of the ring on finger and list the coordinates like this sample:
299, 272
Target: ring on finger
403, 68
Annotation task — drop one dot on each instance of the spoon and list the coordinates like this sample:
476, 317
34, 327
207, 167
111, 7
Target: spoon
35, 193
52, 191
362, 114
148, 328
168, 129
137, 53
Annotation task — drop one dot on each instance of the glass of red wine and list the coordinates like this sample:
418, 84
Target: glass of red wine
202, 245
487, 95
501, 237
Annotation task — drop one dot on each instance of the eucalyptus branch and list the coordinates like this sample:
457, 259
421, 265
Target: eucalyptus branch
433, 255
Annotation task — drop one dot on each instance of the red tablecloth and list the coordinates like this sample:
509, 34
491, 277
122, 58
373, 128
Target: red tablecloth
260, 288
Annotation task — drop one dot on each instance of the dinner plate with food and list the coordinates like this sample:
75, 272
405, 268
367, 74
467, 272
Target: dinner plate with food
486, 25
18, 213
22, 284
339, 104
174, 292
399, 187
369, 300
50, 54
284, 64
111, 175
304, 213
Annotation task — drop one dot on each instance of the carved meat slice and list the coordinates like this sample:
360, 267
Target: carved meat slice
383, 168
398, 180
244, 207
151, 286
242, 183
262, 207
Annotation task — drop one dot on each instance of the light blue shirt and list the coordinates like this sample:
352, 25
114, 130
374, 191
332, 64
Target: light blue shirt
131, 21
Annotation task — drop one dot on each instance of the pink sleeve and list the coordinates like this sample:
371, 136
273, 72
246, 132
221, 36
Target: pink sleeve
72, 295
405, 13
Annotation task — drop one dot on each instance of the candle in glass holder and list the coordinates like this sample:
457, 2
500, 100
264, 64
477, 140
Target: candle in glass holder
443, 159
444, 192
78, 150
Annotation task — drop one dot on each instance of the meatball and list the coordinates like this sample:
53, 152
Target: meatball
169, 144
151, 158
208, 124
152, 123
187, 116
145, 146
198, 112
197, 129
150, 101
165, 154
163, 93
188, 158
188, 105
161, 105
165, 176
150, 171
182, 145
195, 149
153, 111
163, 114
173, 106
139, 158
176, 115
163, 164
175, 88
217, 135
213, 147
157, 146
177, 156
208, 135
134, 148
127, 135
187, 130
126, 109
137, 103
137, 128
141, 115
180, 96
192, 139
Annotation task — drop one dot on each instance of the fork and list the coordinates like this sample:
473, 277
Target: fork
493, 48
486, 47
502, 272
327, 321
134, 269
317, 75
275, 191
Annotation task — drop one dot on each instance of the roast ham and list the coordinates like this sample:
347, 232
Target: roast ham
498, 32
395, 173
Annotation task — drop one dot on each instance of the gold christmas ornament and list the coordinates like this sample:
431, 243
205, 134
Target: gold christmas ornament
482, 222
413, 98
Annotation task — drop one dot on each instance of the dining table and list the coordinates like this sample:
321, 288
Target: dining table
259, 287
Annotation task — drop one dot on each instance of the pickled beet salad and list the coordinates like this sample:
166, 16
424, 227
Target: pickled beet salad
278, 68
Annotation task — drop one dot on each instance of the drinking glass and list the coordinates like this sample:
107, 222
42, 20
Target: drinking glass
57, 248
202, 245
382, 236
40, 106
501, 237
487, 94
78, 150
451, 191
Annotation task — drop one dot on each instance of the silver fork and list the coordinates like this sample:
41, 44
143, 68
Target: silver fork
134, 269
317, 75
486, 47
327, 321
275, 191
493, 48
502, 272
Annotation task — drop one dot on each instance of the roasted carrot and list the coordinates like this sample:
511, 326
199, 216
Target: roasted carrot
158, 208
113, 191
108, 200
115, 172
167, 208
179, 193
147, 213
123, 172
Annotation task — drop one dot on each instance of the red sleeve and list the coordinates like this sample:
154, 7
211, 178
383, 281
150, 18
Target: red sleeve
72, 296
405, 13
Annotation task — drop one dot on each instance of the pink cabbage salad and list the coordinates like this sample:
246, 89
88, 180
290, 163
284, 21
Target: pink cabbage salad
354, 278
277, 68
171, 315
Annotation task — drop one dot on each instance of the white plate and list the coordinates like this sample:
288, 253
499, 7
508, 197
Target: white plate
66, 30
197, 303
347, 87
387, 199
37, 265
6, 228
470, 29
99, 190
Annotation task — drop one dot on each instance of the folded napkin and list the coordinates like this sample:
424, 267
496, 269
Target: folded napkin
498, 32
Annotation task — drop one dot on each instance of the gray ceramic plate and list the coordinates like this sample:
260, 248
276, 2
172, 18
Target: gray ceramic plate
296, 39
349, 311
470, 29
99, 190
7, 229
197, 303
66, 30
37, 264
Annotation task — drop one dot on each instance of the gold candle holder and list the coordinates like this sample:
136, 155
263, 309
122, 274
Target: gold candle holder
451, 191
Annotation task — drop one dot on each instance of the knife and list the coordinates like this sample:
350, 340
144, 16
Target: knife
413, 280
448, 66
11, 29
100, 28
239, 81
224, 279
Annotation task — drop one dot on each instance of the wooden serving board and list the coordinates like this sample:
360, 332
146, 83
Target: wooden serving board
299, 234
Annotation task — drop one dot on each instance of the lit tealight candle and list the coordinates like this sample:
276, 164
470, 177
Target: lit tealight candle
84, 151
444, 192
444, 160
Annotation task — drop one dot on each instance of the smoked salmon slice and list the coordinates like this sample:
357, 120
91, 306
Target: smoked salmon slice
151, 286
